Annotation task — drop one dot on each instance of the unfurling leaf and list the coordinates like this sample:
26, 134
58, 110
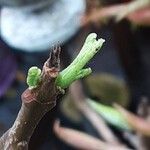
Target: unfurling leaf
34, 77
110, 114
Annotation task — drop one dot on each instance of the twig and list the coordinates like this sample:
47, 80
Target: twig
35, 103
132, 7
133, 139
82, 140
137, 123
101, 127
44, 87
118, 12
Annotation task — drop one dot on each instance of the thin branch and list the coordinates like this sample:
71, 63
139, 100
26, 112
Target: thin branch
35, 103
131, 7
44, 88
98, 123
82, 140
120, 11
137, 123
133, 139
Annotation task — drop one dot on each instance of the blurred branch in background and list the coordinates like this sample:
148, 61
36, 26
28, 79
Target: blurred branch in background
118, 115
132, 7
82, 140
105, 119
79, 100
137, 12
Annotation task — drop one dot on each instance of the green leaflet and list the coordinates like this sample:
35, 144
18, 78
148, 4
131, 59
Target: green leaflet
76, 69
110, 114
34, 77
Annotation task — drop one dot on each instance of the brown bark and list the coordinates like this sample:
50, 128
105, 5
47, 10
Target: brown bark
35, 103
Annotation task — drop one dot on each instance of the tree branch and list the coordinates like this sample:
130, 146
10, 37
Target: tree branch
35, 103
44, 88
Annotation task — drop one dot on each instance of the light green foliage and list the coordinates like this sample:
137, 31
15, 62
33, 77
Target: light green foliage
34, 77
110, 114
75, 70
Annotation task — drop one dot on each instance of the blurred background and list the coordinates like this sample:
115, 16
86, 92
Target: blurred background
121, 71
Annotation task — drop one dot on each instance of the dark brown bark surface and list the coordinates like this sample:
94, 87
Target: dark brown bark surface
35, 104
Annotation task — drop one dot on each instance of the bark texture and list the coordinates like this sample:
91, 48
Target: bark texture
35, 103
